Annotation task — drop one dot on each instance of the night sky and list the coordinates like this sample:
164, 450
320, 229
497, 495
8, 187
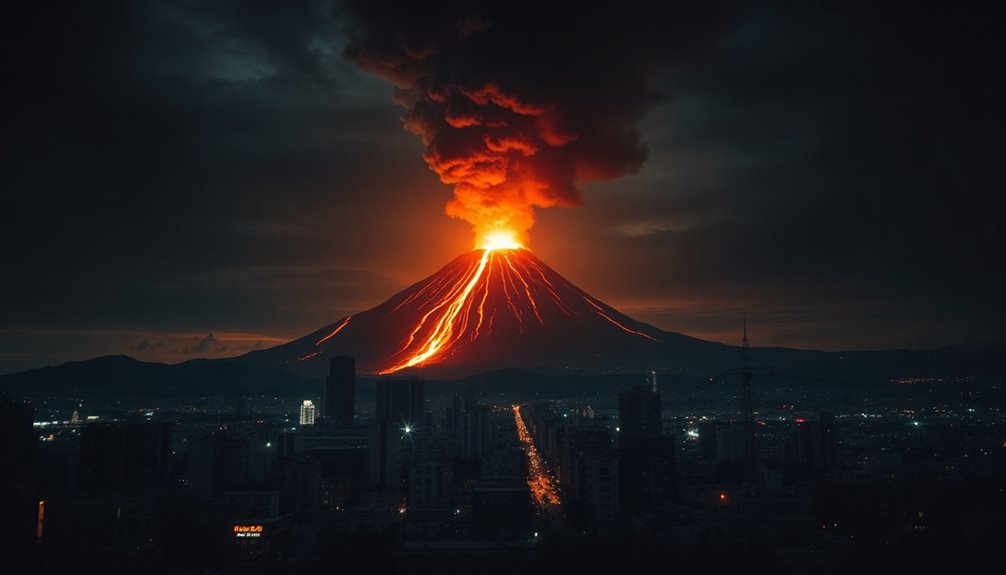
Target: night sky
197, 179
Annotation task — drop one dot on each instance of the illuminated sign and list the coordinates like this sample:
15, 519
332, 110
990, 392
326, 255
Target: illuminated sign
244, 531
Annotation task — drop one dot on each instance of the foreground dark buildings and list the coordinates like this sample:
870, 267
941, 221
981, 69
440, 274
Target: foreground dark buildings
430, 477
339, 400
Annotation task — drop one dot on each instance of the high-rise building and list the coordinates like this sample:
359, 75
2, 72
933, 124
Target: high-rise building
477, 426
125, 459
646, 473
503, 466
454, 421
400, 401
639, 412
307, 412
386, 455
340, 392
228, 458
590, 474
596, 483
430, 485
20, 513
815, 443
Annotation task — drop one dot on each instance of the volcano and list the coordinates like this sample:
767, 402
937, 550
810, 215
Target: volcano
485, 312
487, 309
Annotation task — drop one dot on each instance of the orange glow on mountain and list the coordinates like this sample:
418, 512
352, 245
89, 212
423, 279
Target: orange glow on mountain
453, 317
493, 307
504, 286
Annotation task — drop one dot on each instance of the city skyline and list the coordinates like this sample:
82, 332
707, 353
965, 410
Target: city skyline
470, 286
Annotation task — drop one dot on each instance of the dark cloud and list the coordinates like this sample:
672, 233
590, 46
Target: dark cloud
202, 345
208, 344
817, 164
518, 103
147, 346
247, 348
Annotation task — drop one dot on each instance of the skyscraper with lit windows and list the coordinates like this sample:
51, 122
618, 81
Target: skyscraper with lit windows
307, 412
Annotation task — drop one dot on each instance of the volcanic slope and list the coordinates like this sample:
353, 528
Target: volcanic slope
485, 310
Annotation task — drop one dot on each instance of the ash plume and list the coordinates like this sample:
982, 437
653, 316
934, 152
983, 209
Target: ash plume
517, 103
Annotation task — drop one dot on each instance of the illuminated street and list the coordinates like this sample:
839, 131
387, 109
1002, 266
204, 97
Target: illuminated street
542, 486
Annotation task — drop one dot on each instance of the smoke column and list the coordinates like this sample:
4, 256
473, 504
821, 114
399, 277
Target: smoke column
516, 103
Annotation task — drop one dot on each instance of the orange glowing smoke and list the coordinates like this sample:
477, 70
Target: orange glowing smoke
518, 103
514, 113
501, 154
500, 240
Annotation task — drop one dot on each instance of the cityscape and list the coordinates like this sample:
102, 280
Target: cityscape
399, 474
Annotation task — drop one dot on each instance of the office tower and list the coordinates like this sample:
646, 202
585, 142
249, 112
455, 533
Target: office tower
639, 412
385, 454
647, 474
646, 456
431, 486
591, 474
596, 483
454, 422
340, 392
477, 426
307, 412
815, 443
400, 401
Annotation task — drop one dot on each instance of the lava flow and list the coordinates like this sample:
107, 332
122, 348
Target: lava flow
500, 290
494, 307
542, 488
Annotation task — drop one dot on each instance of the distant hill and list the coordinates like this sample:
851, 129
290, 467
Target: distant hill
123, 376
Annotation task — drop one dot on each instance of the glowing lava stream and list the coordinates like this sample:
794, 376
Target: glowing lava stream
338, 328
464, 306
538, 479
446, 330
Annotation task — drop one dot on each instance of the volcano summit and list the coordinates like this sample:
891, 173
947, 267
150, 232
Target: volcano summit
487, 309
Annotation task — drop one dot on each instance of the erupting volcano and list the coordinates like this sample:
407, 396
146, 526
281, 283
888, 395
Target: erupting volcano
490, 308
502, 290
510, 139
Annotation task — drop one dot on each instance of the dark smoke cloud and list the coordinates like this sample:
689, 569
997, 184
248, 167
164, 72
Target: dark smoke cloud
518, 103
203, 345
